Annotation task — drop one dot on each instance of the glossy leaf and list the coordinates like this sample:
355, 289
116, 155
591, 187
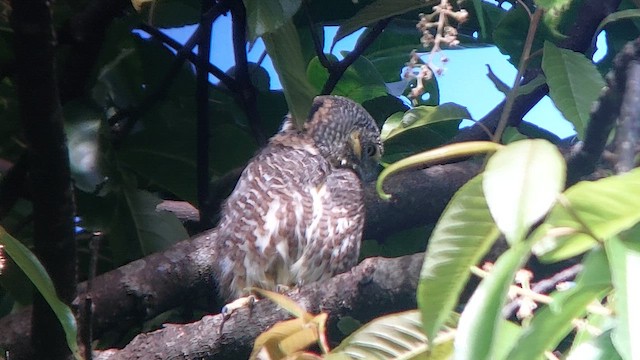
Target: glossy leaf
574, 84
266, 16
624, 259
283, 46
481, 326
607, 206
463, 235
31, 266
552, 323
396, 336
516, 193
421, 116
441, 154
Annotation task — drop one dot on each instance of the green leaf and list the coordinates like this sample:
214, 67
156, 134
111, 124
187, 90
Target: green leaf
34, 270
481, 325
155, 230
283, 46
360, 82
422, 116
574, 84
624, 259
378, 10
554, 322
616, 16
549, 5
396, 336
516, 194
600, 348
266, 16
606, 206
392, 48
463, 235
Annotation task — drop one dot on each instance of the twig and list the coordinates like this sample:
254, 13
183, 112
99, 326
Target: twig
318, 44
202, 114
511, 96
159, 91
225, 79
246, 97
336, 70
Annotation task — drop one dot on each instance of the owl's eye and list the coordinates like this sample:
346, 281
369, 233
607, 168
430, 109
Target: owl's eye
371, 150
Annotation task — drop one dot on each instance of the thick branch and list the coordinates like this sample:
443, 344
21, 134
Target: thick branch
159, 282
375, 287
627, 77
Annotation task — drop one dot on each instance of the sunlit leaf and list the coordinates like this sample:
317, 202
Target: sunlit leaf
516, 193
463, 235
606, 206
574, 84
481, 324
34, 270
441, 154
396, 336
624, 259
421, 116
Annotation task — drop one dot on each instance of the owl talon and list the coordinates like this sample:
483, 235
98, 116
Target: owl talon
281, 289
233, 306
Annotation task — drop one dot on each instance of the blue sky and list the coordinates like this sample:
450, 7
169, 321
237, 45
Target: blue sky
464, 81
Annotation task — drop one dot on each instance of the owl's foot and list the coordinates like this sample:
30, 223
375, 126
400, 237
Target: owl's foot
233, 306
281, 289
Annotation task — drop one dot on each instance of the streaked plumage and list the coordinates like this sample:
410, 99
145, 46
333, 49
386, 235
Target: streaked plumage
297, 213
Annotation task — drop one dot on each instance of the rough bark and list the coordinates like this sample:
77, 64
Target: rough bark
375, 287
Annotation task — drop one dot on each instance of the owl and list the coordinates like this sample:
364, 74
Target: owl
296, 214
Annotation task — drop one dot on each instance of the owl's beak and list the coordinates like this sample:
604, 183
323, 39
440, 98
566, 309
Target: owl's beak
354, 141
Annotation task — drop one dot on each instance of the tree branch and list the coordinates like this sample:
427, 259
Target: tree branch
375, 287
627, 74
49, 172
203, 128
246, 97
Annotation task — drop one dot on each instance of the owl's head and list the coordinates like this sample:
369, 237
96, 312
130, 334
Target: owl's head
346, 135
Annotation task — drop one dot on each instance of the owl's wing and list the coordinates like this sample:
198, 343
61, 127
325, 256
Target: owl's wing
263, 227
334, 234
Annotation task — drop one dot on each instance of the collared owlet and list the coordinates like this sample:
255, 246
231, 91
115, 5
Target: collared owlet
296, 215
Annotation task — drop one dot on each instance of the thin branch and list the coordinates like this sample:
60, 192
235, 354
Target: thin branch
246, 97
124, 120
318, 44
202, 110
337, 69
225, 79
524, 59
